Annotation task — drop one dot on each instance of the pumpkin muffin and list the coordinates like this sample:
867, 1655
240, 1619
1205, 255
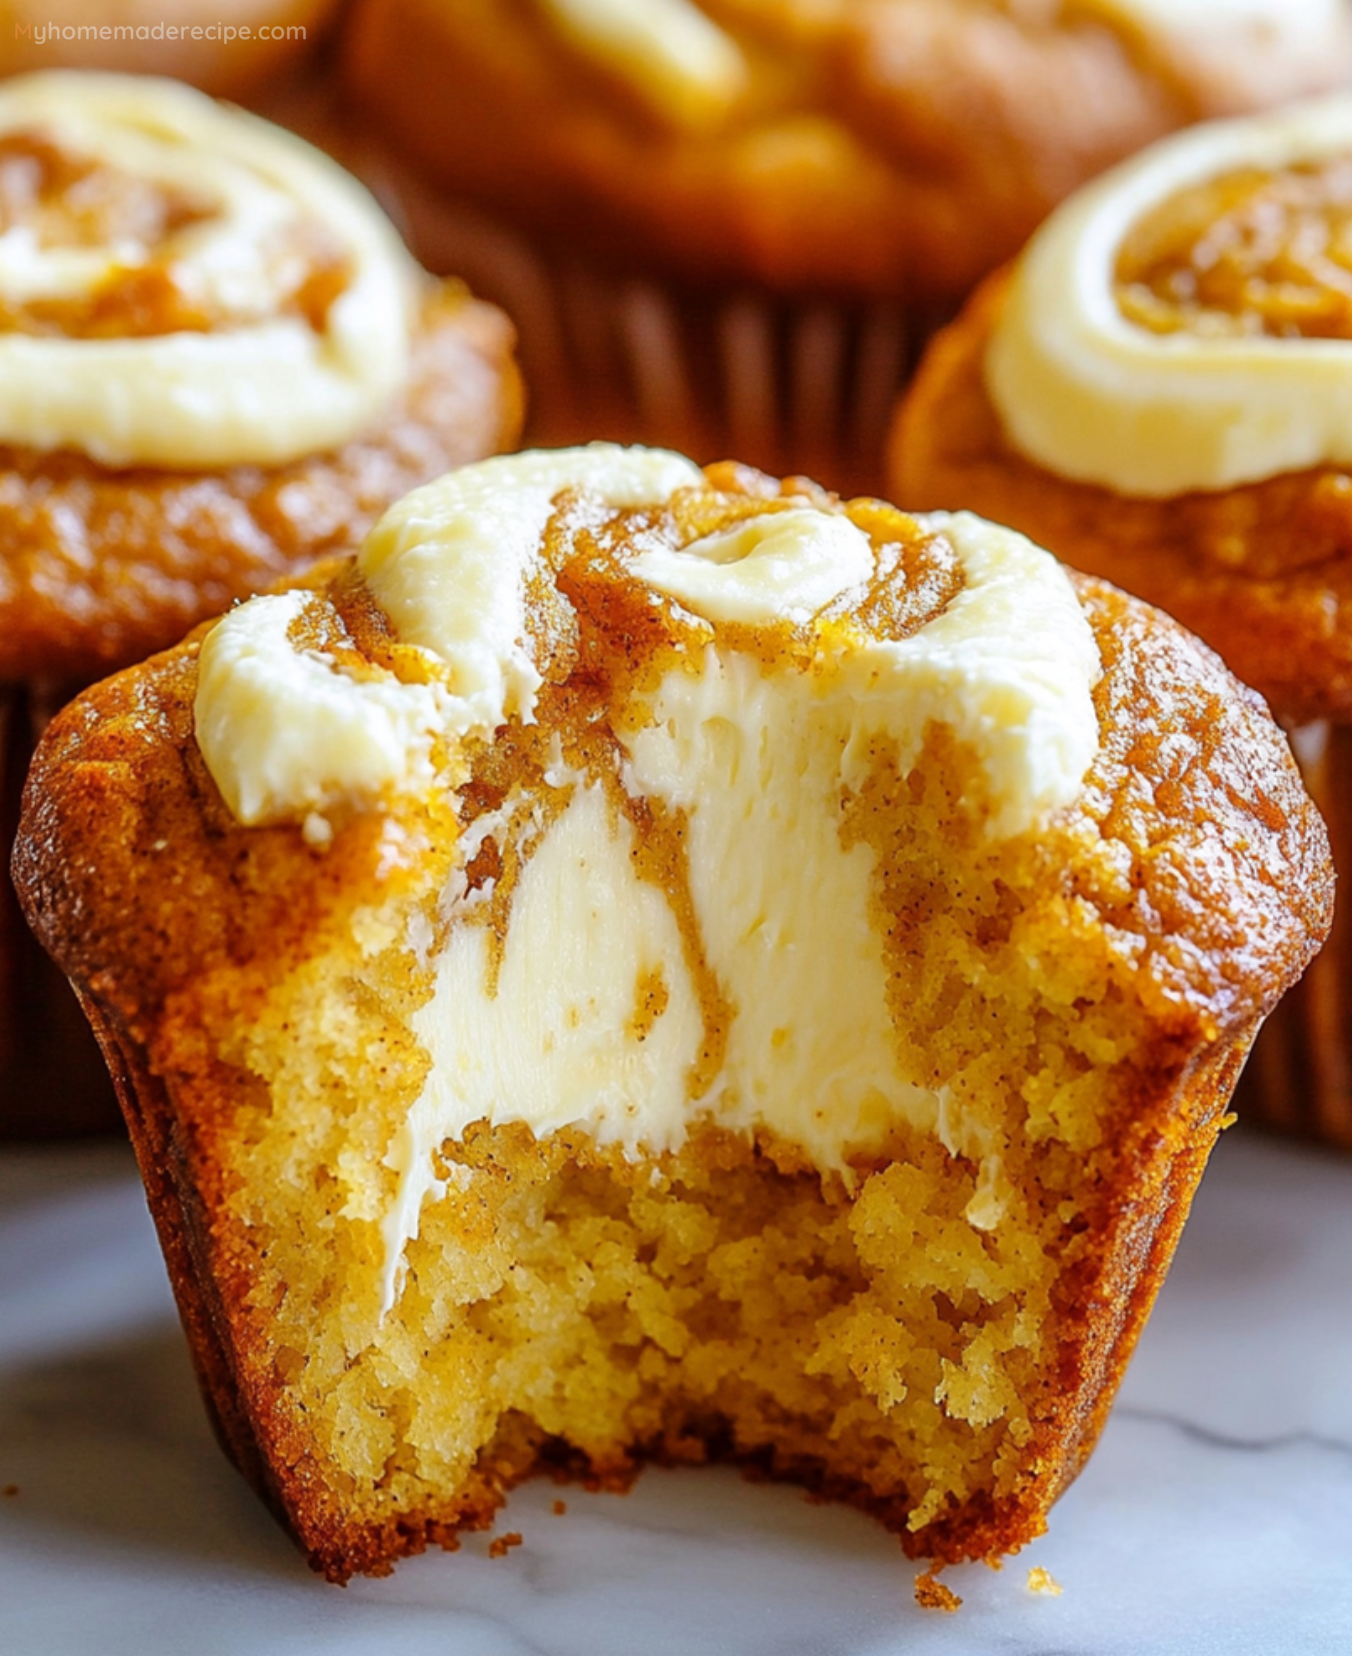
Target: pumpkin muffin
658, 964
1158, 392
217, 363
730, 225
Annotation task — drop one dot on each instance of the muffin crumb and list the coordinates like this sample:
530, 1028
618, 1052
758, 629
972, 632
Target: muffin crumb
1043, 1581
931, 1594
500, 1547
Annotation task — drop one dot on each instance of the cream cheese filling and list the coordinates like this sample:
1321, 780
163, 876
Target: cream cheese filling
671, 52
267, 388
286, 735
1091, 396
761, 763
1236, 55
556, 1044
1296, 27
781, 566
589, 1016
449, 563
1298, 16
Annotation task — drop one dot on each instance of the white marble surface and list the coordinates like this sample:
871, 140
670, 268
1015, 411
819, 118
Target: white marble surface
1216, 1516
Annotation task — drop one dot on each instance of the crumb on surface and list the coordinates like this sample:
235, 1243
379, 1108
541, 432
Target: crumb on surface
931, 1594
503, 1544
10, 1489
560, 1507
1043, 1581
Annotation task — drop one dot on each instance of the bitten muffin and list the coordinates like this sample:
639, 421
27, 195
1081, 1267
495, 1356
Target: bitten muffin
730, 226
1158, 391
217, 363
659, 964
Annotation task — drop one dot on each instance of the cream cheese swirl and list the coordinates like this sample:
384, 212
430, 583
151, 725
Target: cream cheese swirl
1092, 396
264, 387
1271, 48
1010, 663
756, 757
675, 57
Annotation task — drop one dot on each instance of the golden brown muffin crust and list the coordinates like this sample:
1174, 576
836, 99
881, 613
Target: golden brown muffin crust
99, 567
1262, 572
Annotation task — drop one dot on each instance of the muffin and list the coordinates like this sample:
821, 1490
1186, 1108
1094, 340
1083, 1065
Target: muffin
1157, 392
651, 964
731, 225
217, 363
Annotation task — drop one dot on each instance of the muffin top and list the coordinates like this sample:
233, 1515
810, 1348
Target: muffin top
861, 146
217, 363
224, 809
1185, 323
1158, 391
182, 285
470, 576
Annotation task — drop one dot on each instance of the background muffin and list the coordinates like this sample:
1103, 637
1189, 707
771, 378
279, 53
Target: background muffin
217, 363
1158, 391
730, 225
